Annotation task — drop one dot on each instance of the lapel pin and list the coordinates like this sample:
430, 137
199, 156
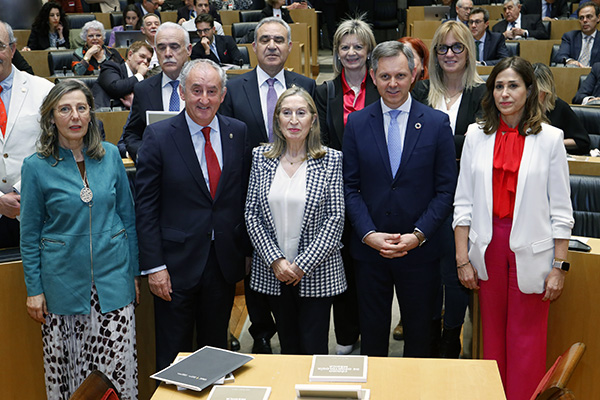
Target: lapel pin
231, 136
418, 125
23, 90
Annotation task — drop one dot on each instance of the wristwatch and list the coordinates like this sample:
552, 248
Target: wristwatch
420, 236
561, 264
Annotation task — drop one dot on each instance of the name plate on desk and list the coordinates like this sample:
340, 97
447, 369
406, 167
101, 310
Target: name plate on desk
239, 393
330, 368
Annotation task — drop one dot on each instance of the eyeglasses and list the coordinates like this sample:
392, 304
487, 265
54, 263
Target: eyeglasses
205, 31
3, 46
456, 48
475, 21
67, 111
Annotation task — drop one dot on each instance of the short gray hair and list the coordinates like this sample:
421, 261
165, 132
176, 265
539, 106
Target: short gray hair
392, 48
515, 2
459, 3
187, 68
92, 25
173, 25
276, 20
11, 34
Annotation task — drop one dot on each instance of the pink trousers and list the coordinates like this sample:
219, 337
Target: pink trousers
514, 324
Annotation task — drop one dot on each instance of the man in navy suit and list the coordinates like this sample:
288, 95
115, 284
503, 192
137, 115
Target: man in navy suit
399, 178
148, 7
220, 49
158, 93
520, 26
490, 46
590, 88
192, 177
117, 80
548, 9
246, 100
572, 51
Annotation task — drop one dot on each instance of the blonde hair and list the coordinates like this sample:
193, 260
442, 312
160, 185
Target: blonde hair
314, 148
362, 30
437, 89
545, 82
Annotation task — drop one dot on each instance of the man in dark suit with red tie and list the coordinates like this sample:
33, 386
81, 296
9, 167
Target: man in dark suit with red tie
191, 182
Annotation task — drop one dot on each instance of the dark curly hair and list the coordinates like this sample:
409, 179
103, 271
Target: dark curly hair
41, 23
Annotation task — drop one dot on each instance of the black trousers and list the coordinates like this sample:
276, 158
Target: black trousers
262, 325
302, 322
206, 307
10, 232
416, 289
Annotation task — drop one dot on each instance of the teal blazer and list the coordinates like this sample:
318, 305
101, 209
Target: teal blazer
67, 244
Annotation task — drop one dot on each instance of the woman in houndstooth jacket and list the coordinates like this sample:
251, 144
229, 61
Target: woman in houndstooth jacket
295, 216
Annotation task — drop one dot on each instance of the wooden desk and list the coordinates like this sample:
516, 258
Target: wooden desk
537, 51
561, 26
584, 165
301, 34
388, 378
170, 16
309, 17
113, 121
22, 36
229, 17
425, 29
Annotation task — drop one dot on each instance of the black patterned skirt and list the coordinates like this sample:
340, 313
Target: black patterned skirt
75, 345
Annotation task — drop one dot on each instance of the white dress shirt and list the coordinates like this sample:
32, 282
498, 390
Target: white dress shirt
402, 118
287, 198
166, 91
263, 88
452, 112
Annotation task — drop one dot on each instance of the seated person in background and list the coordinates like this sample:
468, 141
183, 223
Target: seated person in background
150, 24
462, 8
187, 12
149, 7
548, 9
71, 6
589, 89
558, 112
21, 63
220, 49
88, 58
202, 7
49, 29
581, 48
274, 8
132, 18
489, 46
116, 80
518, 26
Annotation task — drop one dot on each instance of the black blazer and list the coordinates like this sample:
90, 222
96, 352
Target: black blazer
560, 8
21, 63
285, 14
590, 86
242, 102
41, 41
563, 117
183, 12
332, 123
494, 48
139, 6
113, 80
532, 23
226, 48
570, 47
146, 96
468, 111
175, 213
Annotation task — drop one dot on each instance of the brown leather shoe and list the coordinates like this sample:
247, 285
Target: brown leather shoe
399, 331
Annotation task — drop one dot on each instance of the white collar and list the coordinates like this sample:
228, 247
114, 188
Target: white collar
262, 76
405, 107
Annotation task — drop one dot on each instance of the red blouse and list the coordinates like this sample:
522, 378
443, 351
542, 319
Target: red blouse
351, 101
508, 150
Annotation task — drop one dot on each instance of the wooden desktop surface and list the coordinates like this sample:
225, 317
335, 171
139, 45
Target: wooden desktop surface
388, 378
584, 165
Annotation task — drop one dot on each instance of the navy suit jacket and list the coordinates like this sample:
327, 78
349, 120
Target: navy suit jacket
531, 23
570, 47
146, 96
242, 102
421, 193
590, 86
175, 213
139, 6
113, 83
226, 48
494, 48
560, 8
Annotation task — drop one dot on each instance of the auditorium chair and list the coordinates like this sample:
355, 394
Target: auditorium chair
581, 79
240, 29
116, 19
89, 80
244, 52
553, 53
250, 15
96, 386
553, 385
60, 61
123, 4
548, 26
77, 21
513, 48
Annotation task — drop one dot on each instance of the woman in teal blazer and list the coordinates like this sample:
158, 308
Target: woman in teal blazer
79, 247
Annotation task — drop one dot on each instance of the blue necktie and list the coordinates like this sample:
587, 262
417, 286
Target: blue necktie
271, 102
174, 101
394, 141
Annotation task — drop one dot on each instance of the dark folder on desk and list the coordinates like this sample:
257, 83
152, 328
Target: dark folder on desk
202, 368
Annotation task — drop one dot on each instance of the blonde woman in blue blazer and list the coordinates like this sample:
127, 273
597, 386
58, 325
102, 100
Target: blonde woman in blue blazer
79, 247
295, 217
513, 220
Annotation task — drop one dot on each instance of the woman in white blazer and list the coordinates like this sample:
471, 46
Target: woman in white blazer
295, 217
512, 221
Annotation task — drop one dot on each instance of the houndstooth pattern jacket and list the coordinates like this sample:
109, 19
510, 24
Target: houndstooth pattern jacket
319, 246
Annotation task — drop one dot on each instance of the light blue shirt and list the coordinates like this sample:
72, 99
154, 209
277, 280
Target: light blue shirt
7, 85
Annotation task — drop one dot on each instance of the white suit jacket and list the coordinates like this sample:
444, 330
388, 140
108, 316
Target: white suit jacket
543, 210
22, 127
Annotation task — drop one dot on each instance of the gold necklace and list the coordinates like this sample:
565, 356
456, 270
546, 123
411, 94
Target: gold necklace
292, 162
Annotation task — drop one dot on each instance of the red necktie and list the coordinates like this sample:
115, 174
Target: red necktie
212, 163
3, 118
